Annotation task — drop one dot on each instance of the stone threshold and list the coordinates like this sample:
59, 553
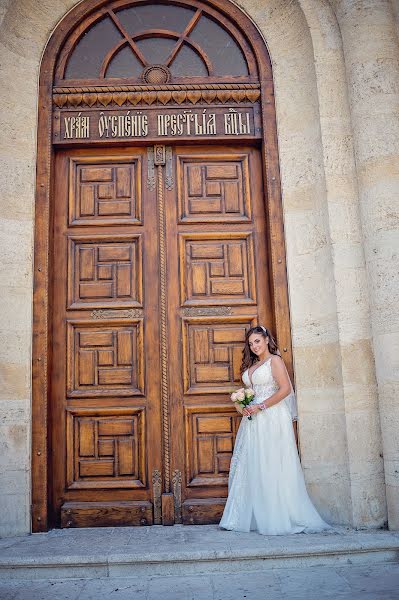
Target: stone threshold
184, 550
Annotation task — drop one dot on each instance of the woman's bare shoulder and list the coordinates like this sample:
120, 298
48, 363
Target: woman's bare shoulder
277, 360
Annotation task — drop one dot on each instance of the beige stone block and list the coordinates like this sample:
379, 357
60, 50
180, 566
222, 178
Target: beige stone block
306, 167
332, 500
311, 301
16, 240
309, 231
385, 316
364, 441
18, 119
353, 306
375, 81
389, 418
13, 276
14, 61
14, 482
348, 254
379, 138
301, 198
309, 330
15, 347
318, 366
392, 492
323, 440
342, 192
338, 150
16, 309
361, 397
3, 9
378, 205
312, 296
344, 221
15, 380
345, 230
26, 30
369, 502
381, 169
319, 400
14, 447
14, 411
395, 6
389, 390
14, 515
391, 462
358, 363
383, 267
14, 205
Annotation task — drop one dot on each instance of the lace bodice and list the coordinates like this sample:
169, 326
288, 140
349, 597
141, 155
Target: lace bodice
263, 383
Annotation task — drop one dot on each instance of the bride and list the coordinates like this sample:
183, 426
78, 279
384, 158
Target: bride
267, 490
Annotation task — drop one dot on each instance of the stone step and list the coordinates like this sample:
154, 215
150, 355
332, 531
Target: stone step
188, 550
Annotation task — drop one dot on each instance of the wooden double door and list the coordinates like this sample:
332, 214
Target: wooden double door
159, 267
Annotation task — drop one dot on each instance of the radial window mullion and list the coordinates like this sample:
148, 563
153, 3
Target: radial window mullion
125, 34
190, 26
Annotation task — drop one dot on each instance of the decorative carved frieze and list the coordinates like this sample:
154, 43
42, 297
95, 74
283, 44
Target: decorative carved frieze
211, 311
130, 313
101, 97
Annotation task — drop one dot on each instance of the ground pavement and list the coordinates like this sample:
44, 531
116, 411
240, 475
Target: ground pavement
199, 563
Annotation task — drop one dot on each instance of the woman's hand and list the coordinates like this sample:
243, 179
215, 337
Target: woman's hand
252, 409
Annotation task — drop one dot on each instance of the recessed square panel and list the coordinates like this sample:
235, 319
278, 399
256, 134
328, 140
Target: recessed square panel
105, 271
212, 354
105, 192
217, 269
105, 449
213, 188
211, 432
105, 359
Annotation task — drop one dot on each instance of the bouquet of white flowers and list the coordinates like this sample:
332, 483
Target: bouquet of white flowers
243, 397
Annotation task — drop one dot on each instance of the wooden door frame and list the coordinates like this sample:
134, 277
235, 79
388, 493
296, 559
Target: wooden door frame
41, 343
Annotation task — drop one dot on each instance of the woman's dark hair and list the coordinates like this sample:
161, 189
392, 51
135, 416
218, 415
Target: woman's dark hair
248, 357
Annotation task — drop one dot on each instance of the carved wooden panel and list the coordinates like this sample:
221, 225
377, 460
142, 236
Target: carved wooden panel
217, 269
212, 355
104, 270
105, 359
213, 188
104, 449
104, 192
210, 436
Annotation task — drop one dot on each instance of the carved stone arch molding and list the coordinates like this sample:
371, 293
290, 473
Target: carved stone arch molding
255, 88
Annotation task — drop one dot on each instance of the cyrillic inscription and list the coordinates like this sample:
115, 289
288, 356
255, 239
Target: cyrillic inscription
159, 124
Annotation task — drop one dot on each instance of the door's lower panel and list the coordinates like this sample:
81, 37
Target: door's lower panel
106, 514
203, 511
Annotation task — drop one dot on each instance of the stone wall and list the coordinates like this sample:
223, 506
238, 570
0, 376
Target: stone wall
371, 48
337, 107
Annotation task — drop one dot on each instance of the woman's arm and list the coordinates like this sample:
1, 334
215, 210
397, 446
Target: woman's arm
284, 386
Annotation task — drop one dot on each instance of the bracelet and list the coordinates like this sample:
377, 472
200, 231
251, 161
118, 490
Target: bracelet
262, 406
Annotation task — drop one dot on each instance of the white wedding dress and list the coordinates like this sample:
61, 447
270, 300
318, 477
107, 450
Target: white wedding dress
267, 490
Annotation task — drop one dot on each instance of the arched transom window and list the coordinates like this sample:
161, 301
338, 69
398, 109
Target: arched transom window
156, 43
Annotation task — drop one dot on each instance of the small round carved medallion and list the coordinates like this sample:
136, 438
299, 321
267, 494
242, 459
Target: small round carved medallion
156, 74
